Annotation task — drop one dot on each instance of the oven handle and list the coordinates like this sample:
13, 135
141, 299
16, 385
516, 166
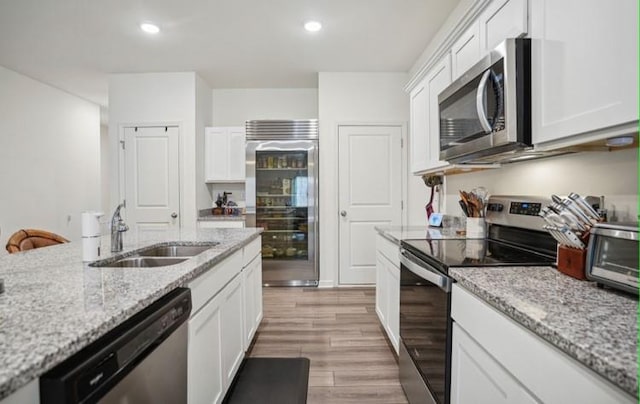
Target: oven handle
411, 262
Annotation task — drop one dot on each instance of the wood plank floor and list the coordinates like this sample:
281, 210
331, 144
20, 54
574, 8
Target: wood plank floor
338, 330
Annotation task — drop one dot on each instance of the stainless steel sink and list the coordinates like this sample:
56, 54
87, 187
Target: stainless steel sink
175, 250
145, 262
157, 256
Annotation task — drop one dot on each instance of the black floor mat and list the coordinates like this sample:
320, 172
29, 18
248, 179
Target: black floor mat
270, 381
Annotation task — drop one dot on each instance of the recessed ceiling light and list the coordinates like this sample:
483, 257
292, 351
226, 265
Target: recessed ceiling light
312, 26
149, 28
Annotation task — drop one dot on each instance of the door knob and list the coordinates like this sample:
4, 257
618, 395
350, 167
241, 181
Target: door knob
343, 213
174, 215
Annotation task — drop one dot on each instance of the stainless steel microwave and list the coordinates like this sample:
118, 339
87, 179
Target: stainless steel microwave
485, 115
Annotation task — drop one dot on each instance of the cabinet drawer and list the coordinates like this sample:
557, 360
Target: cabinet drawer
207, 285
250, 251
389, 249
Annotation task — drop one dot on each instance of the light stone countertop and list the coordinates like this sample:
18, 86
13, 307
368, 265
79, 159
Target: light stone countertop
54, 304
597, 327
206, 215
396, 234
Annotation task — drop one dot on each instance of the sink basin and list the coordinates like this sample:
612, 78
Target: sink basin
145, 262
175, 250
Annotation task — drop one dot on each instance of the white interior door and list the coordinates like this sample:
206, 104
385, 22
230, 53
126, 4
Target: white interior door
370, 180
151, 178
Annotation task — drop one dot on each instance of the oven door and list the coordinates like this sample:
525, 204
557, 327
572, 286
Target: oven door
425, 331
485, 112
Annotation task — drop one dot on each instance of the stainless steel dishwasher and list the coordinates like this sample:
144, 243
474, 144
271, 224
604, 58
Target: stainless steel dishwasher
143, 360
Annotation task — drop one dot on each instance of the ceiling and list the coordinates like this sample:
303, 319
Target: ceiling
75, 44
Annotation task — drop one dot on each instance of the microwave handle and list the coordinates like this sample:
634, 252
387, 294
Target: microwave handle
482, 114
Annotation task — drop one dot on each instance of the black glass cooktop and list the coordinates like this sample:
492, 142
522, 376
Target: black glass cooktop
447, 253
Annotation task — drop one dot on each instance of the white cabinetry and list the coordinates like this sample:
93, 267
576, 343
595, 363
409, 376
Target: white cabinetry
465, 52
502, 19
218, 335
388, 288
495, 360
224, 154
584, 69
478, 378
425, 118
205, 382
252, 291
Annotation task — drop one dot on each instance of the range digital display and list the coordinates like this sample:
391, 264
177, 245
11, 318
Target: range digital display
525, 208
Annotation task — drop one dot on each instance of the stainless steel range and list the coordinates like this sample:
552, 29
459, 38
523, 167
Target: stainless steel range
515, 238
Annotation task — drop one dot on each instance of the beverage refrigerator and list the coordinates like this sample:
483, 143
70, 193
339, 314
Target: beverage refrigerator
282, 197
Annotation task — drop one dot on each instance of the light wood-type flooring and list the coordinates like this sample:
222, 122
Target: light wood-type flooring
338, 330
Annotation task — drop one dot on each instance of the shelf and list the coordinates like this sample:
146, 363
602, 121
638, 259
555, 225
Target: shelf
267, 195
282, 218
284, 231
282, 169
281, 207
285, 258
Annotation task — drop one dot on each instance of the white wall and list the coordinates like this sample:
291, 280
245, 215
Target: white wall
612, 174
153, 99
232, 107
105, 200
351, 98
49, 157
204, 118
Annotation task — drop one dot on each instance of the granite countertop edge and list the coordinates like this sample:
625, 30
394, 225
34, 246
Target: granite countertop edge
623, 378
221, 218
26, 372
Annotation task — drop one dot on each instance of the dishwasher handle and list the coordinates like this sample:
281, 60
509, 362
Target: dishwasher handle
424, 270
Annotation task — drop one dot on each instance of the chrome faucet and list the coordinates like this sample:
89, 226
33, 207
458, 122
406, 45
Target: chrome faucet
118, 226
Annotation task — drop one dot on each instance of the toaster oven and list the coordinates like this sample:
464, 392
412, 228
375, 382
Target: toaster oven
612, 257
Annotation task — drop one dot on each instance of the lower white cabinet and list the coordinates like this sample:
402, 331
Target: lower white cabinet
205, 373
478, 378
496, 360
227, 309
232, 338
388, 289
252, 290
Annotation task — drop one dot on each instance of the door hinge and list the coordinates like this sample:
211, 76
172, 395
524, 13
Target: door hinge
401, 205
122, 144
401, 143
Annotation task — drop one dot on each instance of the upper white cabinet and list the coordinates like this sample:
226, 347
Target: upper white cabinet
224, 154
584, 69
465, 52
425, 120
418, 140
502, 19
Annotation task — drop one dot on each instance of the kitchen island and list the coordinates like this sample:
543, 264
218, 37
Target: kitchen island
54, 304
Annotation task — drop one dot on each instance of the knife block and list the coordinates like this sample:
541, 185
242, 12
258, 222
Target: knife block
572, 262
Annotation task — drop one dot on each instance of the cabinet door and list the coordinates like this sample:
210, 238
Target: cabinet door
216, 143
584, 67
393, 304
252, 290
381, 289
465, 52
237, 154
205, 380
232, 338
502, 19
478, 378
437, 80
418, 141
